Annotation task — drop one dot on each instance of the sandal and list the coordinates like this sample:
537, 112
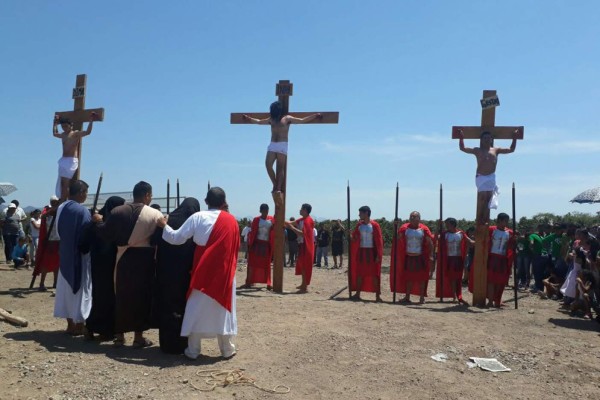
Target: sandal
118, 342
140, 344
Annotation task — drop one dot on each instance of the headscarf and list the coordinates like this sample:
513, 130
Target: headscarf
111, 202
188, 207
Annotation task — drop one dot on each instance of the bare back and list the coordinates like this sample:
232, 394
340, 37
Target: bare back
280, 130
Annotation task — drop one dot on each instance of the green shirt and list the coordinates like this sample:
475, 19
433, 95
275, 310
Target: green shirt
523, 246
537, 245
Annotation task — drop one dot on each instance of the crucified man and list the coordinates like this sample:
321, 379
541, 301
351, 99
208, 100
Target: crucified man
69, 162
485, 178
278, 148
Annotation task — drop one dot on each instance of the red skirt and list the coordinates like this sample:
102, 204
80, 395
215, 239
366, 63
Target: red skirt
259, 263
304, 263
455, 268
498, 270
366, 268
415, 269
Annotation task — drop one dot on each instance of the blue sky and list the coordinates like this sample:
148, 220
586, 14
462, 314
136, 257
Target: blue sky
400, 73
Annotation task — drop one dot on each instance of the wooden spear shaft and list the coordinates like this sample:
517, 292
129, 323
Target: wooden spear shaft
349, 242
515, 280
440, 243
395, 245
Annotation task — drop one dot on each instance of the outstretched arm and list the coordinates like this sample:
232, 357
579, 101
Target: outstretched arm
513, 145
461, 144
305, 120
90, 126
257, 121
55, 127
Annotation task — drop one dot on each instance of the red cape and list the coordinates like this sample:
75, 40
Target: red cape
46, 256
442, 266
259, 265
215, 263
355, 269
510, 254
306, 251
400, 279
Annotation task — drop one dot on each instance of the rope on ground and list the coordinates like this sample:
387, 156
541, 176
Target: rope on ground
226, 377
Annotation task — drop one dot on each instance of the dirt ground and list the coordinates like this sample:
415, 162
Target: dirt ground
319, 348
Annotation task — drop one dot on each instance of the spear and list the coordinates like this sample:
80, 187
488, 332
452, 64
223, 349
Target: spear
395, 246
208, 186
94, 207
349, 242
440, 246
168, 195
177, 192
514, 258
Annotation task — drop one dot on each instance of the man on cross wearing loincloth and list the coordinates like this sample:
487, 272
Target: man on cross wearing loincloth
485, 178
278, 148
69, 162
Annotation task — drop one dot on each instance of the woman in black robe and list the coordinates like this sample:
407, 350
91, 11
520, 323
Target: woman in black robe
103, 257
173, 281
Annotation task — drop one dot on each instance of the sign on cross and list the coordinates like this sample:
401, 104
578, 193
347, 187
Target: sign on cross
283, 90
488, 115
79, 115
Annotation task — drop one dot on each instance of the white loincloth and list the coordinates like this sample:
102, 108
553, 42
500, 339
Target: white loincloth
278, 147
67, 166
75, 306
487, 183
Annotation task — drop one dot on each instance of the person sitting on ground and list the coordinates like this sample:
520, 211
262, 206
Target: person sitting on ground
20, 253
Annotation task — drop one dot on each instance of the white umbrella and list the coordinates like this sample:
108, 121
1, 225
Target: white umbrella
6, 188
589, 196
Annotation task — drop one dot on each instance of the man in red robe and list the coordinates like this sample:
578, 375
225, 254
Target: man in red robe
210, 310
260, 249
500, 260
46, 257
415, 254
367, 249
304, 226
452, 251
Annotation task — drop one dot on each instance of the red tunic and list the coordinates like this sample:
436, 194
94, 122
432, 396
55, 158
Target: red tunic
404, 274
46, 256
260, 254
501, 265
306, 250
363, 259
215, 263
451, 267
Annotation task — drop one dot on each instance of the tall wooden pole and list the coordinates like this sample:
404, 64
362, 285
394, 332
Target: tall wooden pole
79, 104
395, 246
514, 218
349, 238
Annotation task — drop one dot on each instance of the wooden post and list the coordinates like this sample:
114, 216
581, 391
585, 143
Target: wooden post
283, 90
440, 242
515, 278
168, 196
349, 237
395, 246
79, 115
488, 115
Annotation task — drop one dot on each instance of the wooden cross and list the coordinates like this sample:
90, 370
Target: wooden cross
283, 90
488, 115
79, 115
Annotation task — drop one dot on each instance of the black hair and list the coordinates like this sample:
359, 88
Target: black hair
292, 219
451, 221
503, 217
15, 202
264, 206
365, 209
64, 121
156, 206
306, 207
141, 189
215, 197
77, 186
276, 111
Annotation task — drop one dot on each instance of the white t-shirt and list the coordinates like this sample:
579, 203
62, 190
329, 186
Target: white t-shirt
245, 233
35, 232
